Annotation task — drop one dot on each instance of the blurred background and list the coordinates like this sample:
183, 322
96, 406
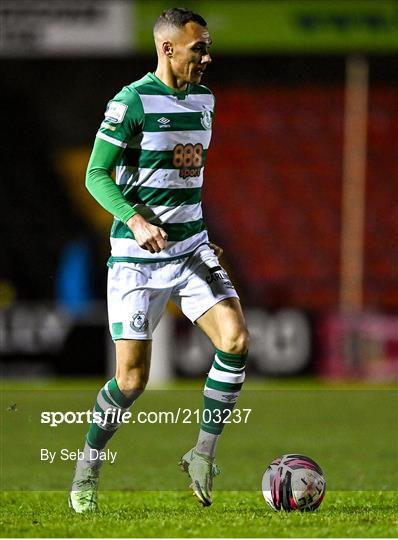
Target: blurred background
300, 191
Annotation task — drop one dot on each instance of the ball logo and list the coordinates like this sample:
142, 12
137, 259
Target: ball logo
139, 322
205, 119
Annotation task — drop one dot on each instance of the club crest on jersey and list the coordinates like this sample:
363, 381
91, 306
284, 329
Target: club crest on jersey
115, 112
139, 322
205, 119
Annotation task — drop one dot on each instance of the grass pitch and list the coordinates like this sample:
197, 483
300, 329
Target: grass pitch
176, 514
350, 430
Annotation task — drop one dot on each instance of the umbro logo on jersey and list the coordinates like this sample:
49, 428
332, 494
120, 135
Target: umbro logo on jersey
164, 122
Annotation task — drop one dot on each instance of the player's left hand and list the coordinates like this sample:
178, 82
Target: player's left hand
217, 249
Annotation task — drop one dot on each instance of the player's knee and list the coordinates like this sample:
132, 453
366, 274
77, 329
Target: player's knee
237, 342
132, 384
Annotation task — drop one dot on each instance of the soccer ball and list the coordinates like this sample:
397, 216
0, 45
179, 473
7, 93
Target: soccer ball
293, 482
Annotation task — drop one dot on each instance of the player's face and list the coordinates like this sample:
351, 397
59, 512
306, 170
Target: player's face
191, 53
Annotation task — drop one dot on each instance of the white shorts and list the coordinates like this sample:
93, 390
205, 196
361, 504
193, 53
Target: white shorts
138, 293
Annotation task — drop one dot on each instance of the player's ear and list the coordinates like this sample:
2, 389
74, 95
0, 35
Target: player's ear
167, 48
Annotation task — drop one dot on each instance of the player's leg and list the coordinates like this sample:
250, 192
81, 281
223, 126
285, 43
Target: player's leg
225, 325
209, 299
120, 392
113, 399
135, 306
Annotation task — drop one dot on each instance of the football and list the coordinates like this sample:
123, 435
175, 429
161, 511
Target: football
293, 482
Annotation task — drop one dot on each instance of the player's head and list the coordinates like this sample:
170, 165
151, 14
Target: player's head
182, 43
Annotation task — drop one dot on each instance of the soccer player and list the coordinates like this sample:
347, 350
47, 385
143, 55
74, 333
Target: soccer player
156, 133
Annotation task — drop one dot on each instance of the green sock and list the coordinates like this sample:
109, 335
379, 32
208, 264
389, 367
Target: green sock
111, 403
221, 390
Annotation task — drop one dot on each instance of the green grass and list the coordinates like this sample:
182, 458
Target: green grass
351, 430
176, 514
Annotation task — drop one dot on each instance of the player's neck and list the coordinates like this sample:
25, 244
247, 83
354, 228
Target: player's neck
169, 79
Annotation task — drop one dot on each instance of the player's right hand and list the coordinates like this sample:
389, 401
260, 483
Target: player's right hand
148, 236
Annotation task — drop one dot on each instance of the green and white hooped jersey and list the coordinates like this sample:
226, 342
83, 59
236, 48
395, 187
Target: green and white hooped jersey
165, 136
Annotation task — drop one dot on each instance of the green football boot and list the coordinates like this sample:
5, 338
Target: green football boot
201, 469
84, 494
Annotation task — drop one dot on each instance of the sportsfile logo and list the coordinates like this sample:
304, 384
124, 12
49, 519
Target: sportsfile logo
116, 416
164, 122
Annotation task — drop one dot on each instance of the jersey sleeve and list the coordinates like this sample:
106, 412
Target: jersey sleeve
100, 183
124, 118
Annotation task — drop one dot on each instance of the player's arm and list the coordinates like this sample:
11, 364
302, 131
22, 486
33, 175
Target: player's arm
99, 182
217, 249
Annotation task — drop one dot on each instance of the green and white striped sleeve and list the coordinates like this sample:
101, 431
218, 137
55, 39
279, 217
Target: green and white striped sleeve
124, 117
